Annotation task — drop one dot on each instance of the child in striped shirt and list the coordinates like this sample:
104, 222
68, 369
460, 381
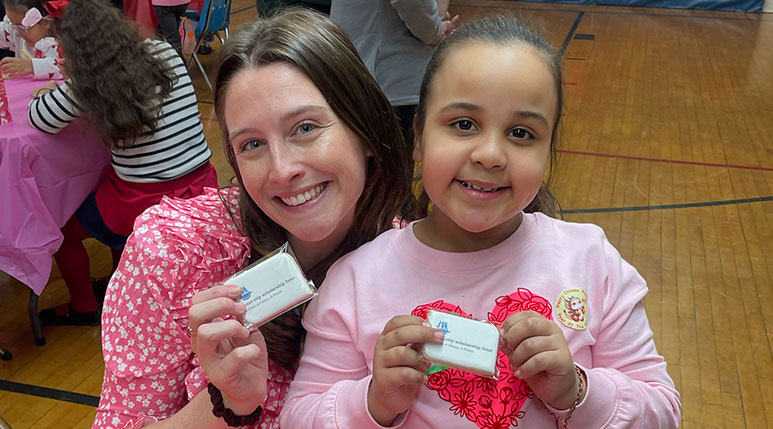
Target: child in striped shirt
138, 96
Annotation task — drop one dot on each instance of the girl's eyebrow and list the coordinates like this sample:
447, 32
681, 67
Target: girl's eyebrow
475, 108
461, 105
532, 114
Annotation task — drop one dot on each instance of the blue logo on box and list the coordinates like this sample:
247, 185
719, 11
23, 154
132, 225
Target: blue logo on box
443, 326
245, 293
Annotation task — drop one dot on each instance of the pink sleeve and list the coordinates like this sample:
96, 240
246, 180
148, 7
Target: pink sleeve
331, 386
176, 250
628, 385
146, 348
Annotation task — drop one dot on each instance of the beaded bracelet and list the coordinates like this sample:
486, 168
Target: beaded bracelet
563, 422
228, 416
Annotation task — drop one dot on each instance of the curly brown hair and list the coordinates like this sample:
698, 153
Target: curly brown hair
320, 49
115, 77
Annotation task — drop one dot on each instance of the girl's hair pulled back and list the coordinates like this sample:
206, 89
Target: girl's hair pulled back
500, 31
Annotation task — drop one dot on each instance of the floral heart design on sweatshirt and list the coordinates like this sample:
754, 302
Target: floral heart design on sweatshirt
486, 402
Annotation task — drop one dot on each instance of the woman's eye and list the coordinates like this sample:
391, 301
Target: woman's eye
464, 125
250, 145
305, 128
521, 133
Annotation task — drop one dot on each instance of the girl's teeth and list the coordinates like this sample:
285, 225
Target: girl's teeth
302, 198
476, 188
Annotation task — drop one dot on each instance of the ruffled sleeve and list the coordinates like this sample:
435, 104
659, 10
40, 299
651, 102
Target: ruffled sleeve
45, 61
178, 248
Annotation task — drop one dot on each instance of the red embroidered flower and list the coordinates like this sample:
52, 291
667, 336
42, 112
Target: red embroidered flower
441, 305
485, 384
463, 403
488, 420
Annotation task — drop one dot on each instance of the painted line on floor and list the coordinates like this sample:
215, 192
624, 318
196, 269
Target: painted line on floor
47, 392
669, 206
233, 12
571, 33
669, 161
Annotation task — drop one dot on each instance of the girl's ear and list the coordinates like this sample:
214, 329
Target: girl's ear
416, 140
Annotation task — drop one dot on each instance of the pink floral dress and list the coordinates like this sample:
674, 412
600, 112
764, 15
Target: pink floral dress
178, 248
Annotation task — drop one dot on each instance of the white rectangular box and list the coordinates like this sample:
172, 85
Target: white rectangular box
271, 287
469, 344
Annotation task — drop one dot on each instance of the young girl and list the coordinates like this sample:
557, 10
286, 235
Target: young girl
138, 96
26, 30
577, 348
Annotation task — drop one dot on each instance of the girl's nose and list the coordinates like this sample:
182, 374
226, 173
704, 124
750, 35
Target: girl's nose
286, 165
489, 153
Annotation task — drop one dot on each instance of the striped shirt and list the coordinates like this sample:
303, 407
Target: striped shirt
176, 148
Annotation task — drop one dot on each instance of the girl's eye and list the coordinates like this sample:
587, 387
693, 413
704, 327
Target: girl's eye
521, 134
306, 128
464, 125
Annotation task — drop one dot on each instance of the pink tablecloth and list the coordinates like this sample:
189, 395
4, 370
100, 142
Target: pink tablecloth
43, 180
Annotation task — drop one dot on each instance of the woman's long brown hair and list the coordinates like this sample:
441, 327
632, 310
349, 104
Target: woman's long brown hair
320, 49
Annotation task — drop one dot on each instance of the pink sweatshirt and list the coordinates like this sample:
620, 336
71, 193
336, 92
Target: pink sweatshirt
567, 272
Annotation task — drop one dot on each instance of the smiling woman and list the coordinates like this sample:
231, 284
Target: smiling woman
320, 163
299, 162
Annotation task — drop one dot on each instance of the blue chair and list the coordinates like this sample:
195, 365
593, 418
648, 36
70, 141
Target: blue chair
215, 17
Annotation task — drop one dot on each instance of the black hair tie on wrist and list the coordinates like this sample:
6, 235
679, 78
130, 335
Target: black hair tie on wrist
228, 416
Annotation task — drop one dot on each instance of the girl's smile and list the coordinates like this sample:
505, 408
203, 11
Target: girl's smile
481, 190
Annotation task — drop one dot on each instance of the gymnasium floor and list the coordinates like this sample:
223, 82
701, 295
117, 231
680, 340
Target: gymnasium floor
667, 144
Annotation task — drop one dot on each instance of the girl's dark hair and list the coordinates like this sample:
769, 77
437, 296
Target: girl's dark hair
115, 77
320, 49
29, 4
502, 31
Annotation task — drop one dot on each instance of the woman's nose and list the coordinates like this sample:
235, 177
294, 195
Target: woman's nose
286, 165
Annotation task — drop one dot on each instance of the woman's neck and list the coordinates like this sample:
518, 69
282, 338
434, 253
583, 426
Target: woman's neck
309, 253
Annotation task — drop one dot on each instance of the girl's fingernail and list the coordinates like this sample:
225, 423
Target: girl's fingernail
234, 290
426, 324
439, 335
240, 307
518, 373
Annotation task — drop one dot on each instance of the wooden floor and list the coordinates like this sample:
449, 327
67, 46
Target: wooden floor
667, 144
